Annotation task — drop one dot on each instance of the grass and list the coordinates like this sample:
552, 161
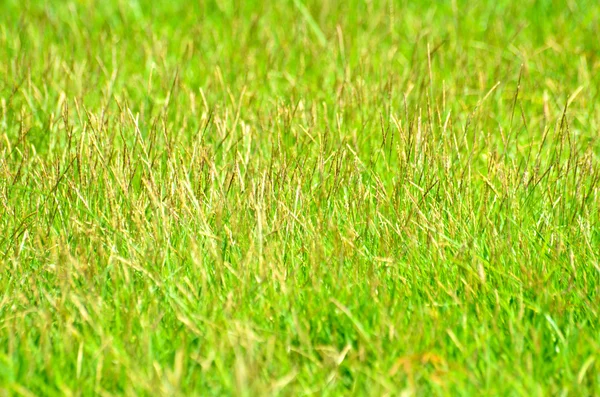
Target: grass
299, 197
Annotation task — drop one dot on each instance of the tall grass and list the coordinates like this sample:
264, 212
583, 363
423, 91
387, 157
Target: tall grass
299, 197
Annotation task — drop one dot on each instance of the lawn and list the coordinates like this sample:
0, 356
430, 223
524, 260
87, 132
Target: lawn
299, 197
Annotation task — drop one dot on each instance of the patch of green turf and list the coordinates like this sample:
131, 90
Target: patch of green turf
296, 197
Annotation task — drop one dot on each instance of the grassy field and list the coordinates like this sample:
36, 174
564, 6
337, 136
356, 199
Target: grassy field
299, 197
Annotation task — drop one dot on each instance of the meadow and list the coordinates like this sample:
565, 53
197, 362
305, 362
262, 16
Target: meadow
299, 197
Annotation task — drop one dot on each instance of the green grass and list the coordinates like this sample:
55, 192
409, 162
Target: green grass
299, 197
